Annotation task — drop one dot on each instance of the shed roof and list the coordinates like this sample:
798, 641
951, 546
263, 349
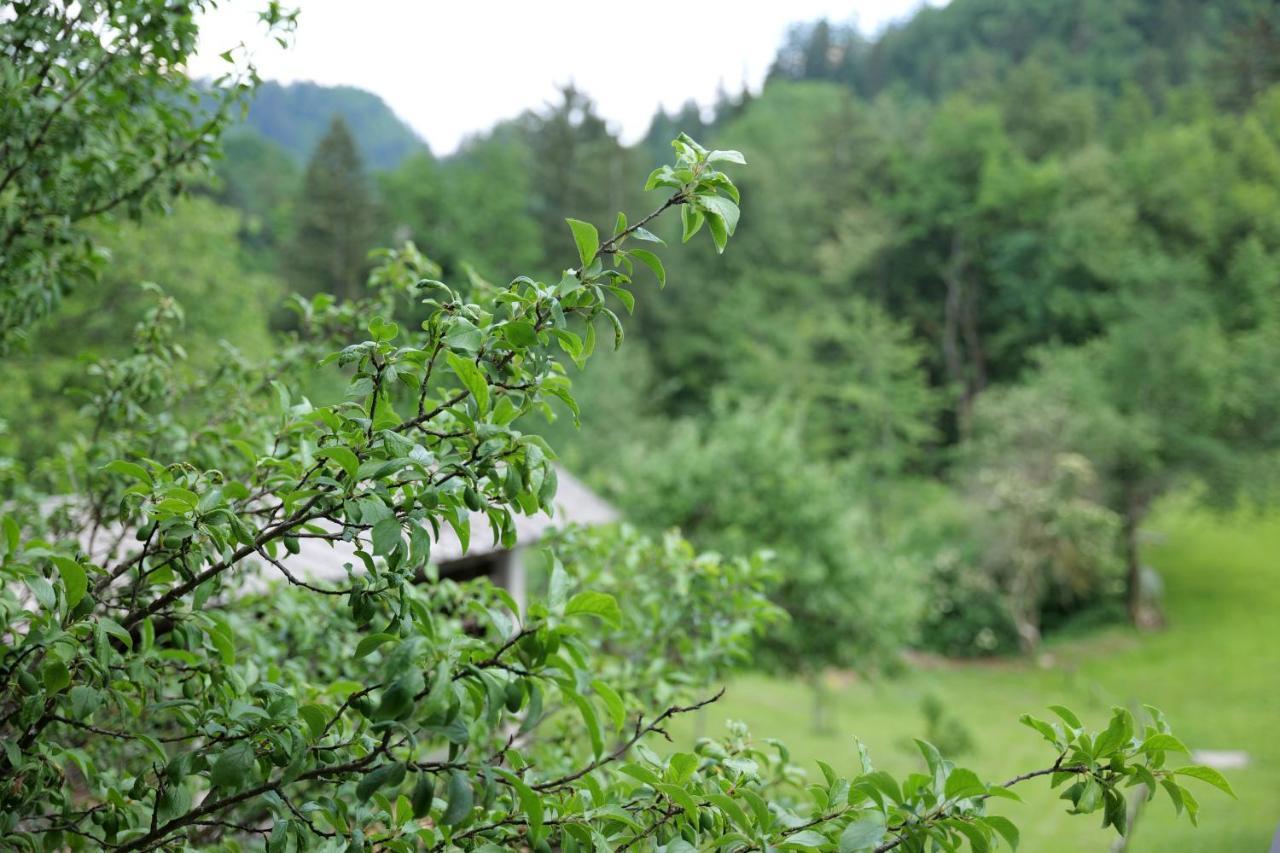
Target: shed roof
321, 559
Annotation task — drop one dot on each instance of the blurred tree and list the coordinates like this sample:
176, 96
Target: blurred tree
858, 376
260, 179
193, 256
454, 208
743, 477
578, 167
1045, 535
334, 219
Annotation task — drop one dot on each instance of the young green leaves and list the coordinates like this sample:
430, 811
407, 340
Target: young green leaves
709, 195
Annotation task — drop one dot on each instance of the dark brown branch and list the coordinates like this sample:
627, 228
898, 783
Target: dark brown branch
640, 732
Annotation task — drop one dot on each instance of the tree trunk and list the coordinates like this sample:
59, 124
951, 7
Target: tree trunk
953, 357
1143, 605
961, 342
821, 705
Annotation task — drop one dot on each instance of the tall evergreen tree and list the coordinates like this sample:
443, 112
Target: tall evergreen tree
579, 167
335, 219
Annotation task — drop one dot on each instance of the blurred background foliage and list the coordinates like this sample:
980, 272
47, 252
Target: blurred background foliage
1043, 293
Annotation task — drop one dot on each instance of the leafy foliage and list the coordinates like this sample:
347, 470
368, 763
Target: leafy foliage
722, 481
195, 251
95, 122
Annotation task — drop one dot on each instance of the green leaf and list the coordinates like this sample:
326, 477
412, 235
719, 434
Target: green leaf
1117, 734
598, 604
1005, 827
343, 456
727, 156
1003, 793
681, 766
12, 535
388, 775
84, 701
977, 835
232, 768
223, 644
461, 799
617, 327
806, 839
1190, 803
1067, 715
42, 590
371, 642
184, 498
56, 676
386, 536
962, 784
315, 716
612, 703
1209, 775
719, 235
74, 580
723, 208
520, 333
473, 378
1164, 743
530, 803
129, 469
640, 773
648, 236
626, 297
571, 344
423, 795
383, 329
116, 630
863, 833
464, 335
589, 717
680, 797
653, 262
727, 805
691, 220
587, 239
932, 757
1041, 726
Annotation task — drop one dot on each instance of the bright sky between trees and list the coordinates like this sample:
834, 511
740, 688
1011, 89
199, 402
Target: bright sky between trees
454, 69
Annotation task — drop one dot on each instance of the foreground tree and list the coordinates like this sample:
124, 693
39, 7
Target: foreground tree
95, 120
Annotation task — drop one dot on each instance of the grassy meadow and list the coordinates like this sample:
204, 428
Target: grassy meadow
1215, 671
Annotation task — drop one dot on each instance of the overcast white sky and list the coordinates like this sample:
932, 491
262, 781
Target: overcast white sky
451, 69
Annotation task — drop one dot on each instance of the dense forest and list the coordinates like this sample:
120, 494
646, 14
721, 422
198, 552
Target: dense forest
1016, 281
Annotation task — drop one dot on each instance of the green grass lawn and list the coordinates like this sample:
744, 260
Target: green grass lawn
1215, 671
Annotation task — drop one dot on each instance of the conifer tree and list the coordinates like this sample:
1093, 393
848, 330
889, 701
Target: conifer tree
335, 219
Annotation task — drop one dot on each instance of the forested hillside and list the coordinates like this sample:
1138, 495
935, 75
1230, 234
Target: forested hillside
295, 116
970, 45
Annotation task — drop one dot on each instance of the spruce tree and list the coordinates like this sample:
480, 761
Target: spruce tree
335, 219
